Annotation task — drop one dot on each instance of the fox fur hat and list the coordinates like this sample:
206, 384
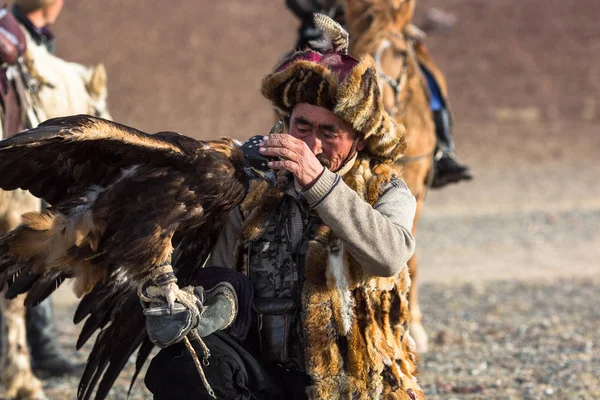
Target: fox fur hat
328, 77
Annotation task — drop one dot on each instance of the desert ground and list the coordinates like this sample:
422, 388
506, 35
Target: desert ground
509, 262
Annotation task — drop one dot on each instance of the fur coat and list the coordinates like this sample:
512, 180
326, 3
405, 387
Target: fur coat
357, 344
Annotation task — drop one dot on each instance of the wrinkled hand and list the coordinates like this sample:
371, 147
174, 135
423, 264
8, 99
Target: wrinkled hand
295, 156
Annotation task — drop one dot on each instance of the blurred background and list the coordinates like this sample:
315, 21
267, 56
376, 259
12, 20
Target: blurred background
509, 261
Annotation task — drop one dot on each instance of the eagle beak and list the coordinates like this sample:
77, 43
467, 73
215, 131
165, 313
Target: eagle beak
268, 176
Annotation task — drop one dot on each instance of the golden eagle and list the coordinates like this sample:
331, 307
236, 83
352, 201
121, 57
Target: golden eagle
123, 204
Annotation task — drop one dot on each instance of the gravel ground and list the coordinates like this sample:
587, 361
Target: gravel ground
518, 229
511, 340
498, 340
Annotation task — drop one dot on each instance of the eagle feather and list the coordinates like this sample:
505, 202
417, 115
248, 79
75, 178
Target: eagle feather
334, 37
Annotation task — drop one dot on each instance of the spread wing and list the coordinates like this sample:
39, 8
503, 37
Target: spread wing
63, 160
65, 155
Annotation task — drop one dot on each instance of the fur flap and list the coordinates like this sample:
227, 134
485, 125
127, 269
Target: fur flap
359, 98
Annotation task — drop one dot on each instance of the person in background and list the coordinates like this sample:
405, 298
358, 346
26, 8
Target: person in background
47, 357
448, 168
36, 17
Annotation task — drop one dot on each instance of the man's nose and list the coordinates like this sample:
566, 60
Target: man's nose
314, 144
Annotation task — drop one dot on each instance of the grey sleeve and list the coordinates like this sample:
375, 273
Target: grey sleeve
222, 254
378, 236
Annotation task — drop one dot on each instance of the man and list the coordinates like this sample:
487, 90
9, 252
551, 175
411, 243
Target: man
47, 358
448, 168
325, 251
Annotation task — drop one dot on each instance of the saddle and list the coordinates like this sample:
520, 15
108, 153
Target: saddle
13, 45
12, 40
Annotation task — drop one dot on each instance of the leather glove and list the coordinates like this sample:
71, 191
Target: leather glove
220, 309
217, 306
166, 326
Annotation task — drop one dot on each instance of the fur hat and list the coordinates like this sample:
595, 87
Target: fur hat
32, 5
348, 87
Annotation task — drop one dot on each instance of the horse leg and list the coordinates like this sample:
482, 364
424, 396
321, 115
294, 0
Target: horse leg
417, 331
18, 379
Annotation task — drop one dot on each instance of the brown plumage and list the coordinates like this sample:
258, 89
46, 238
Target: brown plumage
334, 37
121, 201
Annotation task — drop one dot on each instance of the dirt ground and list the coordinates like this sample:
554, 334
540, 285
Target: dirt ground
509, 261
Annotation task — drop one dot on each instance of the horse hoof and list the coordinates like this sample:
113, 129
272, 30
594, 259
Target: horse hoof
27, 395
30, 394
420, 337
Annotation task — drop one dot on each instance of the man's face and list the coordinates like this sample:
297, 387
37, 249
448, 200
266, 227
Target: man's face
329, 137
52, 12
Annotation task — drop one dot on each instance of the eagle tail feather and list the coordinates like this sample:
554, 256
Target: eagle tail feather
21, 283
91, 325
93, 302
118, 362
94, 368
142, 356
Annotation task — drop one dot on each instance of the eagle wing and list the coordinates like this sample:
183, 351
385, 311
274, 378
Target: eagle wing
64, 155
61, 161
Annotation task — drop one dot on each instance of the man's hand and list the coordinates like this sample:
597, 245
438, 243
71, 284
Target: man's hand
295, 156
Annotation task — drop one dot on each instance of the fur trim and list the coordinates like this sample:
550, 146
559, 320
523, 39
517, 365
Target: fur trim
301, 81
334, 37
359, 98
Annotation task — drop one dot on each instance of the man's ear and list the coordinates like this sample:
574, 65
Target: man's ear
361, 144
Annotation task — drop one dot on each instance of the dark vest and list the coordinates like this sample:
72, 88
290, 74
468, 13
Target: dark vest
275, 264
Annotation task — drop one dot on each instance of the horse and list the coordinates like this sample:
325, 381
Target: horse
67, 88
382, 29
62, 88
